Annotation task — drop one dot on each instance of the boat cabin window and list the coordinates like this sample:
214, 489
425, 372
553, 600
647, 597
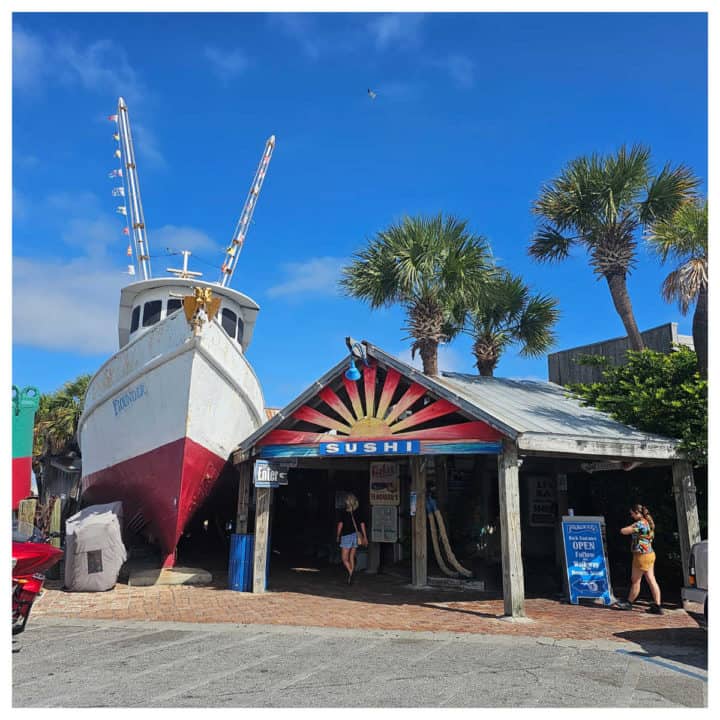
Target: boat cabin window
229, 322
151, 313
173, 305
241, 327
135, 321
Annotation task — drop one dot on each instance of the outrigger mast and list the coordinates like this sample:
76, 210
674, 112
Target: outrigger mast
233, 251
137, 219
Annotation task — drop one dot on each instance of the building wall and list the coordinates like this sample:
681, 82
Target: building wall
563, 370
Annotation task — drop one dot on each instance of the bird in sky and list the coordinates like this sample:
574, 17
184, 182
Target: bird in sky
372, 94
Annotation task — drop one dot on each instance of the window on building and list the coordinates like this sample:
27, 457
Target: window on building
173, 305
135, 321
151, 313
229, 322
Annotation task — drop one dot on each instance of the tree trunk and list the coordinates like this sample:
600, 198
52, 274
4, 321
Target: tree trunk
486, 367
618, 289
487, 355
429, 354
700, 331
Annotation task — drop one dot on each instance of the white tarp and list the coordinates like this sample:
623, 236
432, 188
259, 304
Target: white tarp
94, 550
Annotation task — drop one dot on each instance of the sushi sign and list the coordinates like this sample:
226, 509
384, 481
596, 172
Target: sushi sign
387, 447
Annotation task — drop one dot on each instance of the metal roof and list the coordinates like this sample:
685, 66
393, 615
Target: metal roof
538, 415
534, 406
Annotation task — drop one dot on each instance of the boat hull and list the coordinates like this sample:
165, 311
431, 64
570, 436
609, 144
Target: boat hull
161, 419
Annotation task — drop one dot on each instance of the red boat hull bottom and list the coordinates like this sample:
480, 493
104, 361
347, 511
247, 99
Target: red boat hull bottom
160, 490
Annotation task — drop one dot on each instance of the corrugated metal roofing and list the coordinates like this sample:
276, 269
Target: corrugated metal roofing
534, 406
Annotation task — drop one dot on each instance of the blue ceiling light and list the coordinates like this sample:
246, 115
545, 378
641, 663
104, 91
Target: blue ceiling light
352, 373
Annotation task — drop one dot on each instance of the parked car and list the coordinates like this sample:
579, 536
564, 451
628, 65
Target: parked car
696, 589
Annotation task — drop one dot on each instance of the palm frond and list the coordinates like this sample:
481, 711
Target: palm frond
550, 245
666, 192
683, 235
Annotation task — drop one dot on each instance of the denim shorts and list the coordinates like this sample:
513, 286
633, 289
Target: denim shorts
348, 541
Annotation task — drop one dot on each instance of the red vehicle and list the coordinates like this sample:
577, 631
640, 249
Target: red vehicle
32, 556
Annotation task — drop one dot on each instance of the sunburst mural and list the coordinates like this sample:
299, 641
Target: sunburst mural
359, 427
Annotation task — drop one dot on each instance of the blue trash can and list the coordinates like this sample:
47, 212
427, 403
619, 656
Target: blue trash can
240, 572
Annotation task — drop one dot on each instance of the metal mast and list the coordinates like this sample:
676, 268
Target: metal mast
137, 219
241, 229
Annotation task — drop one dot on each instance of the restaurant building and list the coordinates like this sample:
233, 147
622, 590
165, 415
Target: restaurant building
493, 455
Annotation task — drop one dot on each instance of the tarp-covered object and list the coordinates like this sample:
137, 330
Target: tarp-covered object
94, 550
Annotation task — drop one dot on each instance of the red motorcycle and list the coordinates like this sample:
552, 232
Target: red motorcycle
32, 556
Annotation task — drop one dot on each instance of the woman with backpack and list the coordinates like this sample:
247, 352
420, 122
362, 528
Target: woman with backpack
350, 533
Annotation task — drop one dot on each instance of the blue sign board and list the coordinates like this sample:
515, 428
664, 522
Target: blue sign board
585, 560
268, 475
371, 447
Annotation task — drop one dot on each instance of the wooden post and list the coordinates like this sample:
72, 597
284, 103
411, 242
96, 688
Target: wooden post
687, 512
512, 567
562, 508
419, 522
241, 522
262, 527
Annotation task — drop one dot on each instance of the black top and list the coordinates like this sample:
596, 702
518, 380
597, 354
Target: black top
346, 519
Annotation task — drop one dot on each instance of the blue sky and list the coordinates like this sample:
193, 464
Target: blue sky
473, 113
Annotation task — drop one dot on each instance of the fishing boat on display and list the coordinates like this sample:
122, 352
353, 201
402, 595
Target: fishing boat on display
162, 415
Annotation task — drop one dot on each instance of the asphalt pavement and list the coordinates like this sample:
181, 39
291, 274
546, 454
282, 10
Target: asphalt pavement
60, 662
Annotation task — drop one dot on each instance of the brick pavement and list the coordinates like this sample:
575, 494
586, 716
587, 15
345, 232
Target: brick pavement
321, 598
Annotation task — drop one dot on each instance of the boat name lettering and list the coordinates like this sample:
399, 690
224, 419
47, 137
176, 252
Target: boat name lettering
379, 447
127, 399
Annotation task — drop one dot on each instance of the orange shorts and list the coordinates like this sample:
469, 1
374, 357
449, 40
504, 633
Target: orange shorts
643, 561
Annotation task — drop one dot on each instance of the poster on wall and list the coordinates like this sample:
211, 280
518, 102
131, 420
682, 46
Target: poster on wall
384, 524
384, 483
542, 501
585, 559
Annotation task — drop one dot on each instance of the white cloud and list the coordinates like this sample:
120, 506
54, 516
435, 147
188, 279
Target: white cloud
66, 305
28, 59
147, 147
226, 63
178, 237
316, 276
396, 30
299, 27
101, 66
460, 69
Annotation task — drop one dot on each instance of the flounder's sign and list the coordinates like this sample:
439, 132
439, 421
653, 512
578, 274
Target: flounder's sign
371, 447
125, 400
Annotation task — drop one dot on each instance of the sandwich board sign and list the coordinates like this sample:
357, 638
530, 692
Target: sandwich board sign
585, 559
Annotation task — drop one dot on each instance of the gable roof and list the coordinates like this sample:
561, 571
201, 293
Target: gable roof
539, 416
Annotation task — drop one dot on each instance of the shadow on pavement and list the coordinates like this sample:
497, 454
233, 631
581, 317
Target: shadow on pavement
685, 645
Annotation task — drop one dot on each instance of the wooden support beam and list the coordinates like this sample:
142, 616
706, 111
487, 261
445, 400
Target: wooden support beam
419, 522
262, 531
510, 542
687, 512
243, 504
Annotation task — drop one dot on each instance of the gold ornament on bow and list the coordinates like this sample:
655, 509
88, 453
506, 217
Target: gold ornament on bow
202, 299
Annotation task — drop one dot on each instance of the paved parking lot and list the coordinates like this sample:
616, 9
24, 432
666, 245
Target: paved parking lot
320, 598
112, 663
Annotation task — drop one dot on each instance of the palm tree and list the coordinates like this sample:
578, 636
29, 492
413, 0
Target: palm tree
507, 314
56, 419
601, 203
432, 267
684, 238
